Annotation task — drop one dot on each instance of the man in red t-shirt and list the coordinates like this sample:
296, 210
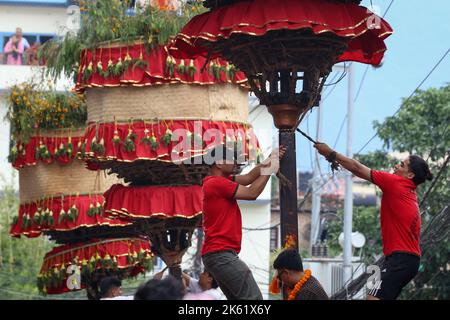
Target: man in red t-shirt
399, 214
222, 221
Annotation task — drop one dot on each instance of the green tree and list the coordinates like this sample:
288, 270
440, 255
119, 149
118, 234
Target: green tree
20, 259
365, 220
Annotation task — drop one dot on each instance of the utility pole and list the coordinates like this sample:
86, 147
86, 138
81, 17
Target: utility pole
316, 185
317, 181
348, 202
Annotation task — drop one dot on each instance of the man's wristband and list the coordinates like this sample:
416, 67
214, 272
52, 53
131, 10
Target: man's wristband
332, 156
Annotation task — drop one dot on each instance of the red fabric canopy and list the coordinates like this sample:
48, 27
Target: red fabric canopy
130, 254
258, 17
154, 201
199, 143
31, 222
154, 73
53, 144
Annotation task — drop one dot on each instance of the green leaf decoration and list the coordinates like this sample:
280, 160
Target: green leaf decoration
181, 68
111, 68
73, 213
128, 143
62, 216
98, 147
170, 65
92, 210
87, 73
143, 64
42, 152
192, 69
68, 149
99, 208
118, 68
116, 138
25, 222
167, 137
51, 219
230, 71
13, 154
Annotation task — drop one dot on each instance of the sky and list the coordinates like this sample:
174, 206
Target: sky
421, 37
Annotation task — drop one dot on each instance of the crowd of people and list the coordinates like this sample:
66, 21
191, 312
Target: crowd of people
164, 288
222, 224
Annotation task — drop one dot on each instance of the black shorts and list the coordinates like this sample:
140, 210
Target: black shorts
399, 268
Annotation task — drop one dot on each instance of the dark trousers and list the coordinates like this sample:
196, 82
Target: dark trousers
232, 275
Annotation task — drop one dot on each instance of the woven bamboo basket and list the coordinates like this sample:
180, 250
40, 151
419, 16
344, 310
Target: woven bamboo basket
43, 180
224, 102
58, 133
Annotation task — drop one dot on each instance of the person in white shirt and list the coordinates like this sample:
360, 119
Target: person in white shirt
203, 288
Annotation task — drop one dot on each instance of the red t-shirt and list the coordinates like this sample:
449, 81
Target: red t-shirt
222, 221
400, 215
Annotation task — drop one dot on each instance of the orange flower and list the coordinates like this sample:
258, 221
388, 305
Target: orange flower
289, 241
299, 285
274, 287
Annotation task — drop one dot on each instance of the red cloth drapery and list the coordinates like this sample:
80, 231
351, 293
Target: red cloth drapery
154, 73
53, 144
154, 201
119, 254
30, 223
196, 129
258, 17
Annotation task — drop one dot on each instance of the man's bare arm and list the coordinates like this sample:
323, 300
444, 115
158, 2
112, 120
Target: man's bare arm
249, 178
352, 165
255, 189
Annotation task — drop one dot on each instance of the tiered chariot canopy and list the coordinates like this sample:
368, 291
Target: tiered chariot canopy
148, 122
286, 48
79, 266
58, 195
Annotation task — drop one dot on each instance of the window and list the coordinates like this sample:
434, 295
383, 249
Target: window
274, 238
31, 38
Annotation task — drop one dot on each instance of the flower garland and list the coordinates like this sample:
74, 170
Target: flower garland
299, 285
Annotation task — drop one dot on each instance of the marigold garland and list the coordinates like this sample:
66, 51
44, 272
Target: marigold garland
298, 286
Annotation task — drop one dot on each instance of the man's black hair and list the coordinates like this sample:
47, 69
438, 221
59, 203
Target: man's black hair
167, 289
214, 283
108, 283
420, 168
288, 259
221, 152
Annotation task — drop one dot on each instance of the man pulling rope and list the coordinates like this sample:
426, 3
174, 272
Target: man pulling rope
400, 217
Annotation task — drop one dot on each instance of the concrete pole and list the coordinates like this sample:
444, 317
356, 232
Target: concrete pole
316, 184
348, 203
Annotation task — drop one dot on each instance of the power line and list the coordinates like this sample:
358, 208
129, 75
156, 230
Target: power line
410, 96
340, 131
